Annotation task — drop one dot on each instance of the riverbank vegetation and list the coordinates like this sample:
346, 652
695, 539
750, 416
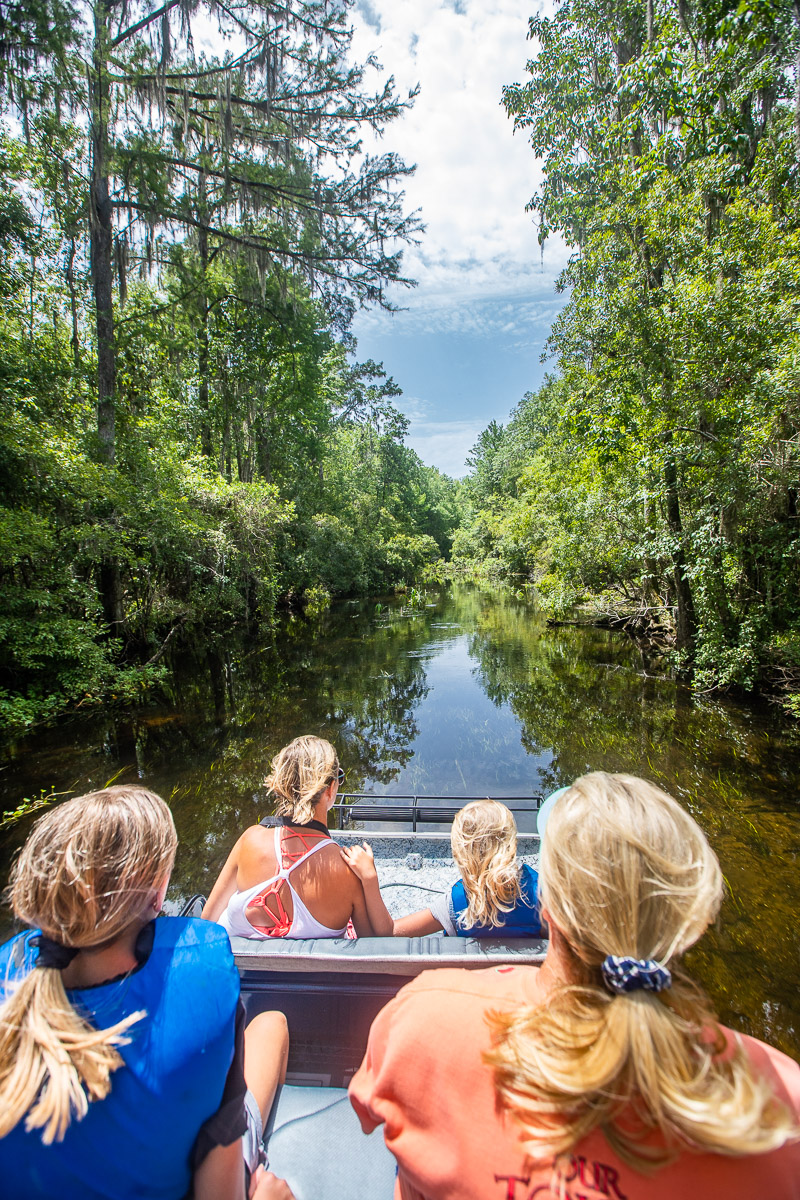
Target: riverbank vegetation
188, 223
656, 472
187, 226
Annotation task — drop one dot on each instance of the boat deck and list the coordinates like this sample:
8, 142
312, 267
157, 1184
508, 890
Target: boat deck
331, 989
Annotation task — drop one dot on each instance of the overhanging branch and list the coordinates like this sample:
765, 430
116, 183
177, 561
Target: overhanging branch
160, 12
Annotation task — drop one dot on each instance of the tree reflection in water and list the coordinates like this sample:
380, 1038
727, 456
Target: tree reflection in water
472, 695
590, 697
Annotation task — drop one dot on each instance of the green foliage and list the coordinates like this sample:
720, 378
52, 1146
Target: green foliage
344, 511
658, 472
317, 600
193, 445
28, 805
406, 555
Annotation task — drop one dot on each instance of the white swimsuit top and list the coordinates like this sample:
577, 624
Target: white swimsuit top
303, 924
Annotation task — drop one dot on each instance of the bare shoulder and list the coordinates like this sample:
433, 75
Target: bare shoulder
256, 839
256, 834
333, 853
338, 866
256, 847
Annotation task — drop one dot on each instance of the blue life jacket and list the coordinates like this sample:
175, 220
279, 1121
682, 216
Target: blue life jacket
136, 1143
522, 921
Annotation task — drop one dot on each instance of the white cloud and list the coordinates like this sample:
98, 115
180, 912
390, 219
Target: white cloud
474, 176
519, 321
468, 344
445, 443
442, 443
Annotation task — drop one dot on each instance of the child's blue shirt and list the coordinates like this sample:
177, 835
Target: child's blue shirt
522, 921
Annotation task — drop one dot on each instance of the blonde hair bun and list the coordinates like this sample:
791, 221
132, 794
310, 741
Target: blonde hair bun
300, 773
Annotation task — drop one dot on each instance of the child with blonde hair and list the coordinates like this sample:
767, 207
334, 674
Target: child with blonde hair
121, 1037
496, 894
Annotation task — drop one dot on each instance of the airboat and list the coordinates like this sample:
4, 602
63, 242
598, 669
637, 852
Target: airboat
331, 989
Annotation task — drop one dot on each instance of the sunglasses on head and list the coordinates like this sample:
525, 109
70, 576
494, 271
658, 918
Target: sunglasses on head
339, 776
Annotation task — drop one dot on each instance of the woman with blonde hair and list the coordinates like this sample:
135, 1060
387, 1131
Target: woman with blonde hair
121, 1071
289, 879
603, 1073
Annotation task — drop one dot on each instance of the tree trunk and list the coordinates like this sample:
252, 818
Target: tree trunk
73, 305
70, 273
110, 587
686, 622
225, 458
238, 448
206, 444
650, 575
101, 244
109, 581
264, 448
31, 302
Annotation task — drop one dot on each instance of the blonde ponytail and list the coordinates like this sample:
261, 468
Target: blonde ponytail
87, 871
52, 1061
625, 871
484, 844
300, 773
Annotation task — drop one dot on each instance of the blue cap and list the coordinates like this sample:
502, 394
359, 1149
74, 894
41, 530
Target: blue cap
546, 807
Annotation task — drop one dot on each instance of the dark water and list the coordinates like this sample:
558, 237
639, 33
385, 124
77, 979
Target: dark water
470, 695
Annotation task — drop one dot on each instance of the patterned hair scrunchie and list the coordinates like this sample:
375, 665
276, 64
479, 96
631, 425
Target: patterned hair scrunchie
52, 954
634, 974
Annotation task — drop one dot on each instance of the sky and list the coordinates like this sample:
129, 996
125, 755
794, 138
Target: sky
467, 346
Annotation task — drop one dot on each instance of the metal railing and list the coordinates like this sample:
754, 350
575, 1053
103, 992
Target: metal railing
419, 810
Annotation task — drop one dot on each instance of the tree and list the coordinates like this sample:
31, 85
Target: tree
258, 152
486, 460
659, 126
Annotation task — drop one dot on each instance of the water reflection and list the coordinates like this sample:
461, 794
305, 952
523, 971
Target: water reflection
468, 743
472, 695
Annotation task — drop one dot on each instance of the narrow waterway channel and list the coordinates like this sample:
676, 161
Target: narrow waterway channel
471, 694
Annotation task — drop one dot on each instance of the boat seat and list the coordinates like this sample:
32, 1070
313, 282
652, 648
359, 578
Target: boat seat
314, 1141
382, 956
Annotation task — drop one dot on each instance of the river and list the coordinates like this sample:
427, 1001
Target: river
469, 694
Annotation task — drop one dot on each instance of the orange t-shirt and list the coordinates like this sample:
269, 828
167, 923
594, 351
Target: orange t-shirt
423, 1079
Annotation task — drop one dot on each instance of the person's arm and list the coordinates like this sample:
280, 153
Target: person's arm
359, 915
417, 924
224, 888
361, 862
220, 1175
259, 1060
266, 1186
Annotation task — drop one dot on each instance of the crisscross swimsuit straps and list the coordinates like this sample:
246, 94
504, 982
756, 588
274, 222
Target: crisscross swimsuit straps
301, 924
